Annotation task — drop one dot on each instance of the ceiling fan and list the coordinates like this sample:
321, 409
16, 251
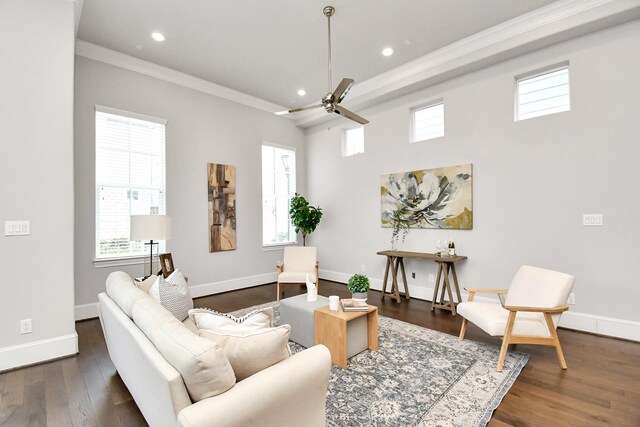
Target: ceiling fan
330, 102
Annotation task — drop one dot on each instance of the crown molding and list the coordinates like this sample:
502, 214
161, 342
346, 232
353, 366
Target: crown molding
548, 25
108, 56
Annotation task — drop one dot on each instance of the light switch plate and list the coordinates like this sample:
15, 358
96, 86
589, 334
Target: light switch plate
17, 228
592, 220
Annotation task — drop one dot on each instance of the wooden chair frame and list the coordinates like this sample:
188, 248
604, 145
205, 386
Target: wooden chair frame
510, 338
280, 269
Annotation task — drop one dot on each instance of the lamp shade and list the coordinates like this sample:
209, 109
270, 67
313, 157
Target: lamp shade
150, 227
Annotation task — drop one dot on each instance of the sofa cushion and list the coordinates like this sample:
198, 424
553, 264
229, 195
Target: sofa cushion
123, 291
213, 320
174, 294
252, 351
204, 367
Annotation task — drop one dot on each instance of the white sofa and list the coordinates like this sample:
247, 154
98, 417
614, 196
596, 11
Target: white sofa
289, 393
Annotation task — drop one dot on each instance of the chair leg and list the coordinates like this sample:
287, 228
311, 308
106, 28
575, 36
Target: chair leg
463, 329
556, 340
278, 292
505, 340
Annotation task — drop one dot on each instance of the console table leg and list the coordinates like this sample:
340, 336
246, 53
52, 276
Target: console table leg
396, 286
455, 281
404, 279
386, 274
434, 300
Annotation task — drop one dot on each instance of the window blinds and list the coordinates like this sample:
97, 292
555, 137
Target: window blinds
428, 122
543, 94
130, 178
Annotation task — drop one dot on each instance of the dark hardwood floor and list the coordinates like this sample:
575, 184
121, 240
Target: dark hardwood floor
601, 386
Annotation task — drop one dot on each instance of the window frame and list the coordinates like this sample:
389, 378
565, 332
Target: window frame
294, 238
129, 258
421, 107
537, 73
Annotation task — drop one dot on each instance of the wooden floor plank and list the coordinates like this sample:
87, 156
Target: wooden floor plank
80, 408
55, 395
11, 407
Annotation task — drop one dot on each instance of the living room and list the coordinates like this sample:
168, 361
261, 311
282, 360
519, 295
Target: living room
533, 179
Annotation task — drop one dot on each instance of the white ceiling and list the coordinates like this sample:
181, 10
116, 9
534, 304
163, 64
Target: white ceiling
270, 49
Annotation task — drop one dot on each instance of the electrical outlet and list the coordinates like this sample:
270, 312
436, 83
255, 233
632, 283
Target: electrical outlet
413, 275
592, 220
362, 268
432, 278
25, 326
572, 299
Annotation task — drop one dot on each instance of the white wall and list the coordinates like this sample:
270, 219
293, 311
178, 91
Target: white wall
533, 180
36, 171
201, 129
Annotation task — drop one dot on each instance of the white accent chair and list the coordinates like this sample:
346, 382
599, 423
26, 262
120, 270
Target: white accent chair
297, 262
529, 314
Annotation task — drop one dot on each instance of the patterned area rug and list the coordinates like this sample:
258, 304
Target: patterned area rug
419, 377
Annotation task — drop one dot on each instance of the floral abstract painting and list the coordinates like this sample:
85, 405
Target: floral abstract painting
429, 198
222, 207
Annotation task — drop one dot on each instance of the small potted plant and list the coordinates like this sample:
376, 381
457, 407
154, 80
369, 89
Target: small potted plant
358, 286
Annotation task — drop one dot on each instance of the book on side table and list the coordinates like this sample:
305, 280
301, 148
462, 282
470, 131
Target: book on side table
354, 305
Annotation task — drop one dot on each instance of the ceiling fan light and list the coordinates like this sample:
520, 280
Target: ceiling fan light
302, 92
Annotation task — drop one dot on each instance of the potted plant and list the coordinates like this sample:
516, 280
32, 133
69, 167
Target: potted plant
304, 218
358, 286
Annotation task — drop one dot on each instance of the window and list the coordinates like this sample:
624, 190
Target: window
543, 93
428, 122
130, 178
353, 141
278, 187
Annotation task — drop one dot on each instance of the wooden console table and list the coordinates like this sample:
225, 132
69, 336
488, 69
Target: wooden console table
446, 266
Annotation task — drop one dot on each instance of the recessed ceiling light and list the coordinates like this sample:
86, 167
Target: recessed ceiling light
407, 42
302, 92
387, 51
159, 37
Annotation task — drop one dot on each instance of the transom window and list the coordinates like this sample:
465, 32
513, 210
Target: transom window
353, 141
543, 93
428, 122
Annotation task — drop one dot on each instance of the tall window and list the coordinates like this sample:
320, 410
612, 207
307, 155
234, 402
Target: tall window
353, 141
130, 178
278, 187
543, 93
428, 122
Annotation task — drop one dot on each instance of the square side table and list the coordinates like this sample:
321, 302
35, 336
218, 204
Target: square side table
331, 329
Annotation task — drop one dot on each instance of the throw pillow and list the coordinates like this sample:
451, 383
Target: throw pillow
174, 294
252, 351
212, 320
146, 284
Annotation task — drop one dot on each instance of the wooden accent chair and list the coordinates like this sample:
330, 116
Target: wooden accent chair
297, 262
529, 314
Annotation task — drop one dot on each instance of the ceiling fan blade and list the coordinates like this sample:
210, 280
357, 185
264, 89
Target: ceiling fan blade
342, 90
349, 115
295, 110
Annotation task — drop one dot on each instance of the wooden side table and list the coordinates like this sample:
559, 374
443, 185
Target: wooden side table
331, 330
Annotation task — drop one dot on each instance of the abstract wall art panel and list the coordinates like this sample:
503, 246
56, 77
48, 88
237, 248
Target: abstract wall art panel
222, 207
429, 198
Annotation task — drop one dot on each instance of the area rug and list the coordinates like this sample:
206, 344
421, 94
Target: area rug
418, 377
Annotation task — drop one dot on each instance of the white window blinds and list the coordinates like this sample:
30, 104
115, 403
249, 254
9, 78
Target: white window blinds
542, 94
428, 122
130, 178
278, 187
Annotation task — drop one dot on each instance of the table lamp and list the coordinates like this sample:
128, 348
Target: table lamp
150, 227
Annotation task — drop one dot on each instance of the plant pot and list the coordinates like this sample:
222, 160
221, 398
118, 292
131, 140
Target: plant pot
360, 296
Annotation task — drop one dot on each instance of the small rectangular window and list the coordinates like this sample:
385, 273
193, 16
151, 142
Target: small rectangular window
543, 93
428, 122
353, 141
130, 178
278, 187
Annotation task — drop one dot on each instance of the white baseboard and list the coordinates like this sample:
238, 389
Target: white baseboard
618, 328
232, 285
38, 351
86, 311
